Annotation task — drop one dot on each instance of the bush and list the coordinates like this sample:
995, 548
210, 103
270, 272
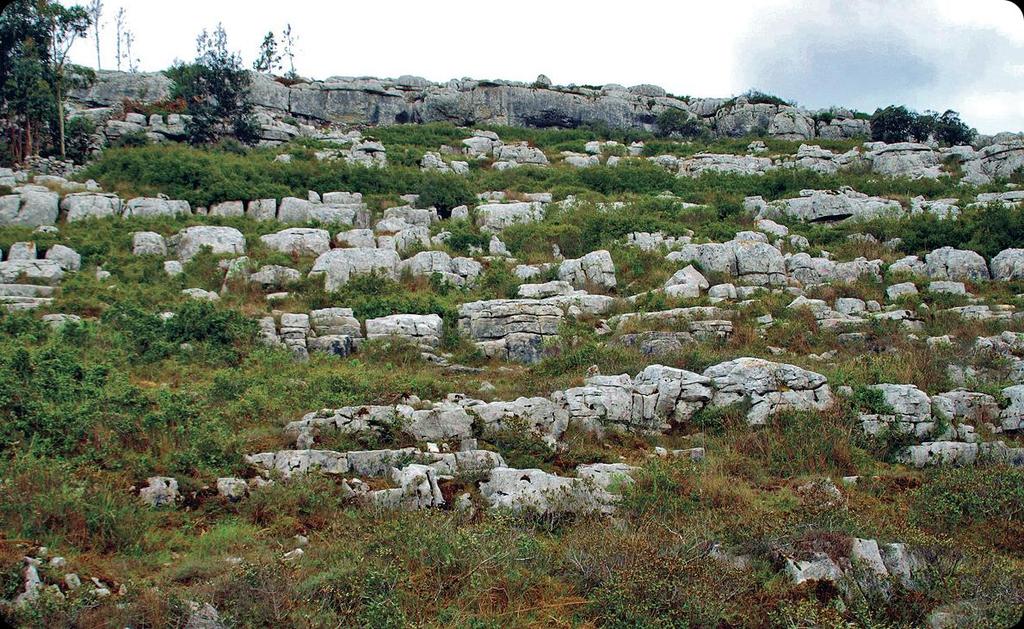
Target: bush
444, 192
956, 497
132, 139
757, 97
950, 130
896, 123
78, 132
676, 122
892, 124
215, 87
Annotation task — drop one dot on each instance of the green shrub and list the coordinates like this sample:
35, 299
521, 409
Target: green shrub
132, 139
956, 497
45, 499
892, 124
677, 122
444, 191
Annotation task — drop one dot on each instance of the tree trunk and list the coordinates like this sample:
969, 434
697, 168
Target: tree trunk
60, 116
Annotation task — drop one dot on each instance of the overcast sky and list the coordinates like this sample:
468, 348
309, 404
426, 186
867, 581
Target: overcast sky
966, 55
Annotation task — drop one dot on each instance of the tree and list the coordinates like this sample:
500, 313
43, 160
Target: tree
35, 38
923, 126
899, 124
951, 130
215, 87
119, 27
66, 24
268, 58
677, 122
892, 124
289, 50
124, 38
95, 10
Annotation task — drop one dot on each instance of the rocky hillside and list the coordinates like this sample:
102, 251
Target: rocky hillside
469, 373
372, 101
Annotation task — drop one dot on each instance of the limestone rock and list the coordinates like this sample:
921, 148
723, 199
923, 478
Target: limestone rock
219, 240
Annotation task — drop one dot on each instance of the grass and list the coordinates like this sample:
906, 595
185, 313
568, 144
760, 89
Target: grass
87, 414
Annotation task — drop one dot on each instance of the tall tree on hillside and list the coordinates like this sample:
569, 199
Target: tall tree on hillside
35, 36
119, 26
268, 58
95, 10
289, 38
66, 24
124, 38
216, 89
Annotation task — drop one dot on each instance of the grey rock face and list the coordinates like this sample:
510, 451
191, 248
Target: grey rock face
904, 159
160, 491
219, 240
66, 257
1008, 264
828, 206
497, 216
995, 161
701, 163
84, 205
424, 330
111, 88
593, 490
594, 269
234, 489
148, 207
948, 263
275, 276
768, 387
466, 102
36, 271
303, 241
148, 244
32, 207
455, 271
338, 265
417, 489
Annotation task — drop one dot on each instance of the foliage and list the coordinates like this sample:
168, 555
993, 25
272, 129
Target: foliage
896, 123
957, 497
892, 124
757, 97
35, 37
679, 123
268, 59
215, 87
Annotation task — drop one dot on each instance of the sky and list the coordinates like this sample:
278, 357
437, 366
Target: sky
965, 55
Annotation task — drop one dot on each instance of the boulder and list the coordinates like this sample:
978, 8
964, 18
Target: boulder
66, 257
301, 241
948, 263
497, 216
219, 240
262, 209
687, 282
1008, 264
768, 387
455, 271
424, 330
36, 271
417, 489
594, 269
84, 205
148, 244
160, 491
227, 208
146, 207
